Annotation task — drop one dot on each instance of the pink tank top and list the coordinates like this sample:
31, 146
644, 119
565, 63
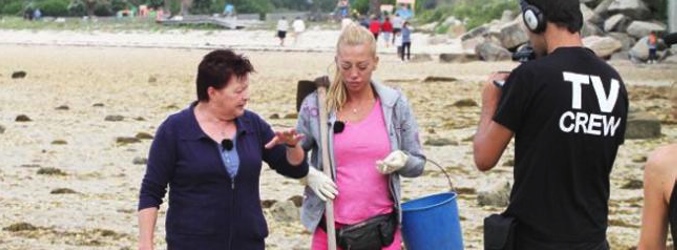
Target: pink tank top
363, 191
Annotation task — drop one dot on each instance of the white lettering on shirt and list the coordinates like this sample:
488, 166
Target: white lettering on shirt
590, 123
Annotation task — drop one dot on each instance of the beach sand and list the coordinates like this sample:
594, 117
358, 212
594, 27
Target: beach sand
70, 89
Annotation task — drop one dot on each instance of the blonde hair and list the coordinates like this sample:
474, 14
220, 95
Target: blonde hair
352, 35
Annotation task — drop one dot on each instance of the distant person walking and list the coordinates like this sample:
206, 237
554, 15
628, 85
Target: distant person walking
375, 27
387, 31
651, 42
282, 27
299, 27
406, 42
398, 22
398, 44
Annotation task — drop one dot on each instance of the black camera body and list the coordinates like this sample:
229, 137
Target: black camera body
524, 53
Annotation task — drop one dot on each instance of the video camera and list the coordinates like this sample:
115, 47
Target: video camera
524, 53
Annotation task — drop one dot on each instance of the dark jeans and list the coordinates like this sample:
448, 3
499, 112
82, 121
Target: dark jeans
406, 49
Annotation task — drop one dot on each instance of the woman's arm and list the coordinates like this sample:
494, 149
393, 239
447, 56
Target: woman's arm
147, 220
655, 211
407, 130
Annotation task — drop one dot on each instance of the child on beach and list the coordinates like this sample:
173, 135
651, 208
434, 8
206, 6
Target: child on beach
398, 44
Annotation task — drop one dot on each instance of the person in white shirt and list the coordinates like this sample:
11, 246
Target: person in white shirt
398, 22
282, 27
299, 27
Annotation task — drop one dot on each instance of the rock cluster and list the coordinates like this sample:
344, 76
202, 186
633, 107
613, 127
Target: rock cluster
612, 29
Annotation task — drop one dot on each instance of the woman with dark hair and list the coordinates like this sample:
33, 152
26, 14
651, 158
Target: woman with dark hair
210, 156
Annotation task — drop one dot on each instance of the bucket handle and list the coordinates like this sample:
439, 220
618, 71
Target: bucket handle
451, 185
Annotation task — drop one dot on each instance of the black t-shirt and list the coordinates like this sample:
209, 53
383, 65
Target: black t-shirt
568, 111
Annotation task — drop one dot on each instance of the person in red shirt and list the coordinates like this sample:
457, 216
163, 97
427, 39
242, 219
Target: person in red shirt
375, 27
387, 30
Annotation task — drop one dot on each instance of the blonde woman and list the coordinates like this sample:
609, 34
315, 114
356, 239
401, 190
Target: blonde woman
373, 140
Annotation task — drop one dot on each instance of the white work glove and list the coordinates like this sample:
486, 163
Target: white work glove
321, 184
393, 162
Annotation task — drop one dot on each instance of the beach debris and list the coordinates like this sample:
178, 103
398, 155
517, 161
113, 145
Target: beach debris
465, 103
22, 118
30, 165
267, 203
639, 158
492, 52
642, 125
19, 74
63, 191
152, 79
140, 119
421, 58
274, 116
51, 171
144, 136
21, 226
97, 105
114, 118
457, 57
126, 140
439, 79
140, 160
62, 107
494, 192
59, 142
297, 199
465, 190
291, 116
633, 184
439, 141
509, 163
285, 211
171, 107
2, 129
431, 130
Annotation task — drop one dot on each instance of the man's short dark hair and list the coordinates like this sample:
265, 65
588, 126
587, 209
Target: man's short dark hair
563, 13
217, 68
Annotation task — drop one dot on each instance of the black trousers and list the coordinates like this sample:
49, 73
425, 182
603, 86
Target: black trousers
406, 49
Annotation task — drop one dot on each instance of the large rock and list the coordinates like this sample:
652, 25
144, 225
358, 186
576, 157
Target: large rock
618, 23
588, 14
476, 32
642, 125
494, 192
602, 8
507, 16
603, 47
639, 29
492, 52
670, 59
635, 9
625, 39
457, 57
471, 43
590, 29
512, 34
640, 51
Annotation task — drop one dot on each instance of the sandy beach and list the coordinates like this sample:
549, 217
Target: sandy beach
69, 177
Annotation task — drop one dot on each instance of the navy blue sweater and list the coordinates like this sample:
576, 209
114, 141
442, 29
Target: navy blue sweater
208, 209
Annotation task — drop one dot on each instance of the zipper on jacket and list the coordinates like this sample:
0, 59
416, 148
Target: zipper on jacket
232, 213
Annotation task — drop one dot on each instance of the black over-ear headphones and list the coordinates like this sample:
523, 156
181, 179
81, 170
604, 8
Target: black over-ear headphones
533, 17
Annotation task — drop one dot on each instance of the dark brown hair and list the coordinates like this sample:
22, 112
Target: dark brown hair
217, 68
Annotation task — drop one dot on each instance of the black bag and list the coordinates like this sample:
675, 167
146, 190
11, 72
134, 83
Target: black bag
372, 234
499, 232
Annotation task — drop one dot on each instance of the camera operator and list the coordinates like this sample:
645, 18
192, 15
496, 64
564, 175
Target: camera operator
567, 110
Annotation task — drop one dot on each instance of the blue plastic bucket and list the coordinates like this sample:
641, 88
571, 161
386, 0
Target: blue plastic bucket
432, 223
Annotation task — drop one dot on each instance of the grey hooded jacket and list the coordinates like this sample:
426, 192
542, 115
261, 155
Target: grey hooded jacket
402, 132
